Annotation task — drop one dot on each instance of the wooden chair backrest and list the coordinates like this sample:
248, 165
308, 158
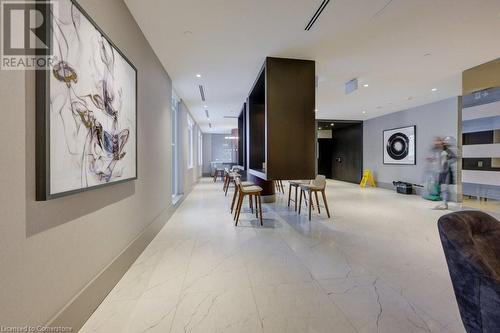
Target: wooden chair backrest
319, 181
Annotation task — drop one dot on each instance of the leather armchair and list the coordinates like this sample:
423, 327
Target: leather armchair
471, 243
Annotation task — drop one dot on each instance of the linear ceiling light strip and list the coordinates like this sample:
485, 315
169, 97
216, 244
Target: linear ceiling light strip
316, 15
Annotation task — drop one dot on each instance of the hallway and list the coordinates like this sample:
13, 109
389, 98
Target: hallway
376, 266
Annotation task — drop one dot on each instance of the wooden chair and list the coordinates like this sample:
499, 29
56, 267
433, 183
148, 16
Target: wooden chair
228, 179
236, 191
218, 173
296, 184
317, 185
250, 191
278, 184
229, 175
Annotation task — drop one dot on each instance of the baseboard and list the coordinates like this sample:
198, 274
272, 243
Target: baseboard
81, 307
419, 190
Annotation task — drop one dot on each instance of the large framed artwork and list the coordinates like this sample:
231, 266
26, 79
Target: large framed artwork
400, 145
86, 108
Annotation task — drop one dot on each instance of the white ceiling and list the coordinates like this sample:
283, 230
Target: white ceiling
400, 48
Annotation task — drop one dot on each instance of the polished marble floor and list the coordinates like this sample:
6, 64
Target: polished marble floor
376, 266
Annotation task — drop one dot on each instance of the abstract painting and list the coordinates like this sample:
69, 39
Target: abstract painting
86, 111
399, 145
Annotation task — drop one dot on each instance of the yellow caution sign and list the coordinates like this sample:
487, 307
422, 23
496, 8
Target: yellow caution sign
367, 179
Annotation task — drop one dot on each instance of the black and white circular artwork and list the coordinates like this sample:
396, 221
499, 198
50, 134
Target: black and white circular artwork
399, 146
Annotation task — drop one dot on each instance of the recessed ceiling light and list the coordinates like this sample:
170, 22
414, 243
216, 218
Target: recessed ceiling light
198, 75
319, 127
434, 89
364, 112
332, 124
366, 85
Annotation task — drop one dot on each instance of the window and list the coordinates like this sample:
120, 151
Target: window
175, 150
200, 148
190, 126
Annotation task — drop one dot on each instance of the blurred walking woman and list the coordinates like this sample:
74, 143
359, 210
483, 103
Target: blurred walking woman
446, 158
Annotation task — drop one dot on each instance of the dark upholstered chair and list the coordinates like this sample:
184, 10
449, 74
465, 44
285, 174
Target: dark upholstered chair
471, 243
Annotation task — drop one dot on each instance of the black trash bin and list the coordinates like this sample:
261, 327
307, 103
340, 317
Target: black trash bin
403, 187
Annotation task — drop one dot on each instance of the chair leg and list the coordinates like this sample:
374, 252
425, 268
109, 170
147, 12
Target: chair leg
305, 198
238, 211
256, 206
296, 190
300, 200
227, 186
326, 204
250, 198
310, 204
311, 200
234, 198
317, 201
239, 203
289, 195
260, 209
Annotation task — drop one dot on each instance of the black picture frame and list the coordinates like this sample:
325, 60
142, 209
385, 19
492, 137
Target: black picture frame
42, 104
415, 145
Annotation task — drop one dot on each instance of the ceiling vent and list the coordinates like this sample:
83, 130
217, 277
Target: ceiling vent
317, 14
384, 7
351, 86
202, 93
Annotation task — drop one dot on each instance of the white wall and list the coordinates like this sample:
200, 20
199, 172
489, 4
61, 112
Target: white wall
50, 250
217, 148
207, 154
431, 120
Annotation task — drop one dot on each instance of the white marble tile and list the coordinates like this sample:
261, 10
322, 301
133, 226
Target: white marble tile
152, 314
210, 273
111, 316
273, 263
376, 266
222, 311
374, 306
300, 307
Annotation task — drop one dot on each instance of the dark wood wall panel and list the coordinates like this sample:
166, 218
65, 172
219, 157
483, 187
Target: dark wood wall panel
257, 148
242, 137
281, 120
290, 118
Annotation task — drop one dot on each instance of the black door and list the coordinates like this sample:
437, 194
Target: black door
325, 150
347, 157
